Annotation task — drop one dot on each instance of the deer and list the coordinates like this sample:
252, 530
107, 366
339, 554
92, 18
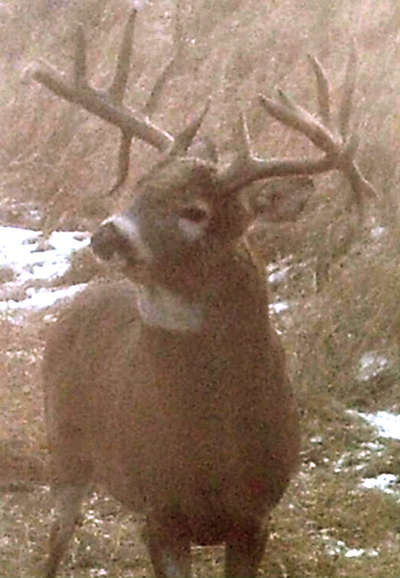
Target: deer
169, 387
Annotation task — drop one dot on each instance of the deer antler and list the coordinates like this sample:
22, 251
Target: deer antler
338, 146
108, 105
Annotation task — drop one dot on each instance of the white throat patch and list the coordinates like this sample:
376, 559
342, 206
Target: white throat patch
161, 308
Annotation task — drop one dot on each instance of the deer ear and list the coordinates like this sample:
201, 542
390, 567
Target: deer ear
281, 200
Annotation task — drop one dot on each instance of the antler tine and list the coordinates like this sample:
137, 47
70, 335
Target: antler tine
295, 116
338, 151
91, 101
323, 93
123, 162
245, 166
118, 86
360, 185
80, 64
154, 98
106, 106
358, 182
184, 139
348, 90
244, 140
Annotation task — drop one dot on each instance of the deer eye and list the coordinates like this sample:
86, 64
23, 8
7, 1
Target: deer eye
194, 214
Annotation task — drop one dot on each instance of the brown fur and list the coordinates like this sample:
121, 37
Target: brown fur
192, 423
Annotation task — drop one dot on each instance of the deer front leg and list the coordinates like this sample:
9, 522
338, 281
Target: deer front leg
169, 549
68, 505
244, 552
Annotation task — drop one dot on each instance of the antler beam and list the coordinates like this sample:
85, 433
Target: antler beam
339, 148
107, 105
95, 102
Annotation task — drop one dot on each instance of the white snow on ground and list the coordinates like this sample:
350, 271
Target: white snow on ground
21, 249
41, 298
383, 482
387, 424
371, 364
31, 257
279, 306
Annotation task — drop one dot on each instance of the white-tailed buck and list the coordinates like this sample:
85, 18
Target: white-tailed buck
170, 389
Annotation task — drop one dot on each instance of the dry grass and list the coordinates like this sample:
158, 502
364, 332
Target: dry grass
59, 159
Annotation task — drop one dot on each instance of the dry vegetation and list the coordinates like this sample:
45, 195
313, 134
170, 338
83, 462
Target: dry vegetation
58, 159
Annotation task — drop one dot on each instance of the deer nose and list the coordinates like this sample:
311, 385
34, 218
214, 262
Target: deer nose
104, 240
120, 235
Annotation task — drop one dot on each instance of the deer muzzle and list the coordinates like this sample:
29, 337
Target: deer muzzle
120, 235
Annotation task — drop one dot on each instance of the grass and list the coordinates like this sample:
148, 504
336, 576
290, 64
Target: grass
58, 159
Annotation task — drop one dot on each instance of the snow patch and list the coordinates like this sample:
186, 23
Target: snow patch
387, 424
41, 298
371, 364
279, 307
383, 482
33, 257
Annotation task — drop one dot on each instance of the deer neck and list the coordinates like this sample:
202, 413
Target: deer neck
226, 294
159, 307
